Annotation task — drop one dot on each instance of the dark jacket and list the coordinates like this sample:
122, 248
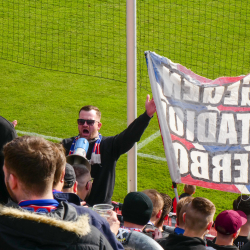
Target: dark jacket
63, 229
213, 246
94, 218
240, 241
111, 149
7, 134
181, 242
246, 246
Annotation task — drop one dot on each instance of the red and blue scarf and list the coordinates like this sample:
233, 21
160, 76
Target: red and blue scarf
39, 206
96, 153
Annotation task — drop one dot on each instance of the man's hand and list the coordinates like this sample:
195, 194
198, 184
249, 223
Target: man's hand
113, 222
83, 203
150, 106
156, 233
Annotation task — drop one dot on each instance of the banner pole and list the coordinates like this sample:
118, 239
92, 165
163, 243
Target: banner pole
176, 191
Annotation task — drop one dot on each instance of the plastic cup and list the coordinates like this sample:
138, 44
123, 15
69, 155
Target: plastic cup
103, 209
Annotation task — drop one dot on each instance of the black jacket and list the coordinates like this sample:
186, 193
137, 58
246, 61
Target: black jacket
94, 218
246, 246
240, 241
7, 134
63, 229
181, 242
111, 149
213, 246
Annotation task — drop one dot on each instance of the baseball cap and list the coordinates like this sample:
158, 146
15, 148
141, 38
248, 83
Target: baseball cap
230, 221
69, 177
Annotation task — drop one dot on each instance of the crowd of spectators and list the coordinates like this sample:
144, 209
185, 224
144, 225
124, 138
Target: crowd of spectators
47, 200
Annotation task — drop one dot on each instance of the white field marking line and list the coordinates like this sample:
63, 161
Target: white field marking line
139, 146
35, 134
148, 140
152, 157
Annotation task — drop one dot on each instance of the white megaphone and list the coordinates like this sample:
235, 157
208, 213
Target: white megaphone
79, 153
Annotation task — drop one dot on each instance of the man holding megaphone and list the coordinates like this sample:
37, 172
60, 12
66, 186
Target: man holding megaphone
103, 152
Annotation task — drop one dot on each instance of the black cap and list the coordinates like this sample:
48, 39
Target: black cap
70, 176
137, 208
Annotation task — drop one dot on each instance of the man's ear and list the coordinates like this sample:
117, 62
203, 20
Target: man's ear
99, 126
75, 187
159, 214
184, 217
13, 182
62, 176
236, 234
88, 186
209, 225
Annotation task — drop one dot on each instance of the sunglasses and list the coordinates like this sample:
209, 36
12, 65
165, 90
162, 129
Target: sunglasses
89, 122
91, 180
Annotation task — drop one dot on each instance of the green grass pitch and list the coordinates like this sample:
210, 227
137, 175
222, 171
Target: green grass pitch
45, 100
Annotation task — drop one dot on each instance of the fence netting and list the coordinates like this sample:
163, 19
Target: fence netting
209, 37
89, 37
81, 37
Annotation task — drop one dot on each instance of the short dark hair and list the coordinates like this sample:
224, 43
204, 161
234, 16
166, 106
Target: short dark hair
242, 203
33, 160
199, 212
89, 108
60, 163
182, 208
189, 189
156, 199
80, 171
166, 208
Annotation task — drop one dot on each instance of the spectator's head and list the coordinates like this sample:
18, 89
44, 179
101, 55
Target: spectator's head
189, 189
29, 167
84, 181
242, 203
181, 209
70, 183
89, 122
227, 225
158, 203
137, 208
198, 217
165, 211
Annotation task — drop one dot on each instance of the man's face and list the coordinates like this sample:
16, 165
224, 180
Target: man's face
89, 131
6, 179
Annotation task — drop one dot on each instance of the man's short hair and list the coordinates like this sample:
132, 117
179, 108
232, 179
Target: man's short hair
189, 189
60, 163
81, 171
166, 208
33, 160
182, 208
200, 212
89, 108
156, 199
242, 203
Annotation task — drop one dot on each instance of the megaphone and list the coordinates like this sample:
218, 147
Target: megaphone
79, 154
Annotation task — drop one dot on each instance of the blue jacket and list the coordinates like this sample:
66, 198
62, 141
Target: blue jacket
95, 219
